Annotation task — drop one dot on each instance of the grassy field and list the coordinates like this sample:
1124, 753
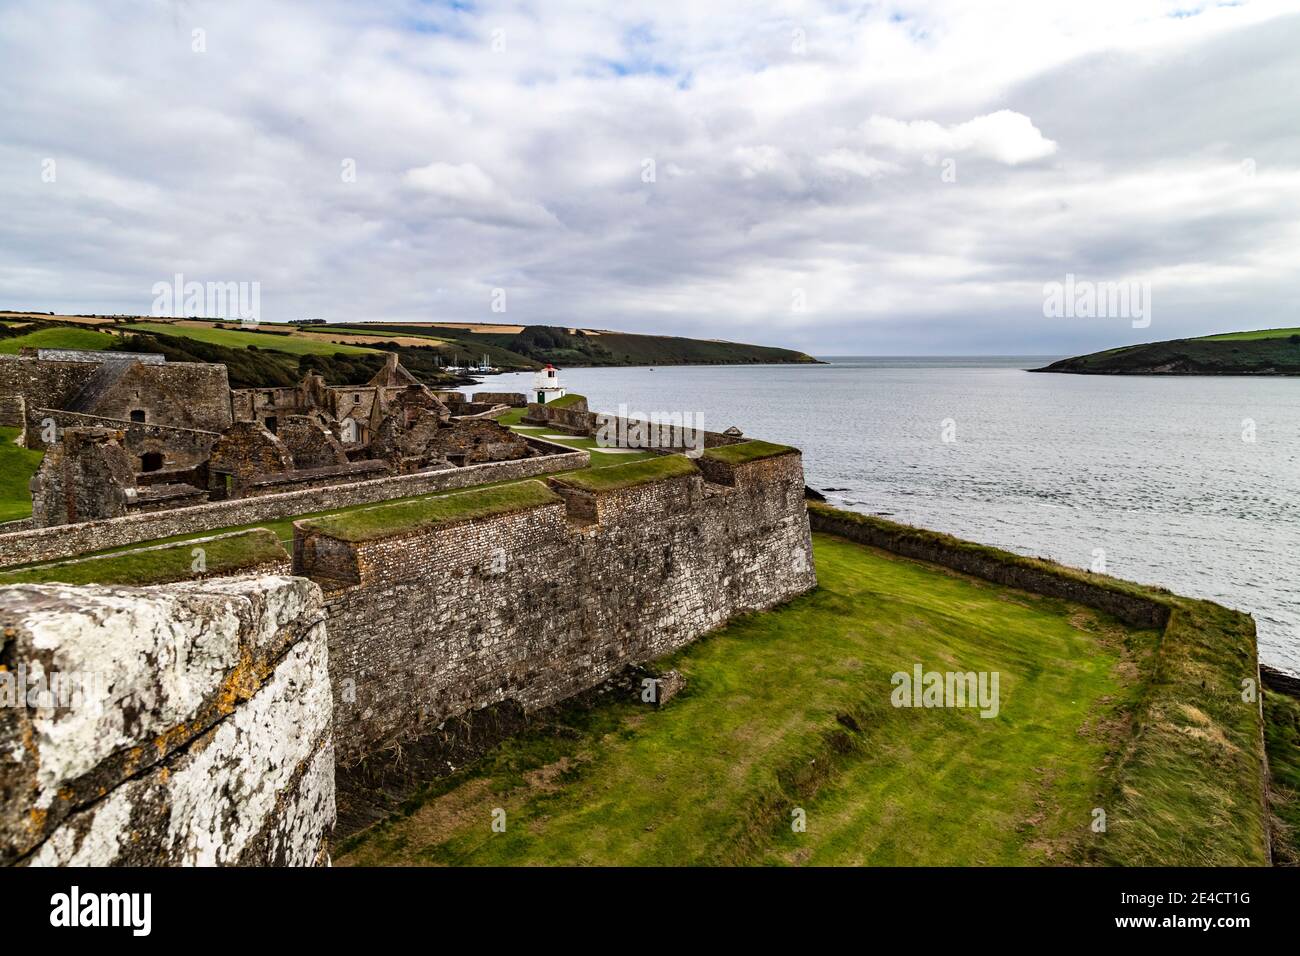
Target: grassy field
231, 338
790, 710
57, 338
17, 465
157, 565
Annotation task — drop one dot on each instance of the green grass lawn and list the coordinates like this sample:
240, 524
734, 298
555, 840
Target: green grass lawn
58, 338
157, 565
791, 709
231, 338
17, 465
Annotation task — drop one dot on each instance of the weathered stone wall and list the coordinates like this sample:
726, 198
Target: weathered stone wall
205, 739
576, 418
179, 447
513, 399
13, 411
181, 394
85, 477
42, 384
69, 540
538, 605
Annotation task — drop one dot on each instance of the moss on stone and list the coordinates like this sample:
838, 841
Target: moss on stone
158, 565
386, 520
617, 477
747, 451
566, 401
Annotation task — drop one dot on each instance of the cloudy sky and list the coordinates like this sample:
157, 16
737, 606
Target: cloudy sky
896, 178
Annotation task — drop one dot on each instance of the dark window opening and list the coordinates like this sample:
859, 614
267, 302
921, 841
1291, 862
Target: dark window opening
137, 414
271, 424
151, 461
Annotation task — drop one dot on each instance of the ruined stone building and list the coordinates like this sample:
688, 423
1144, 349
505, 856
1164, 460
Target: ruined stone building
170, 413
358, 409
126, 433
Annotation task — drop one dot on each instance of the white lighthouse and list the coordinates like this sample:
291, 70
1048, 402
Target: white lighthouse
546, 385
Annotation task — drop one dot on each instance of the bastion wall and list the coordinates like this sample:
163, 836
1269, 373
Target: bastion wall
537, 605
230, 705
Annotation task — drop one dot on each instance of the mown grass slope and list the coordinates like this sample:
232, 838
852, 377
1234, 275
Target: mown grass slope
791, 710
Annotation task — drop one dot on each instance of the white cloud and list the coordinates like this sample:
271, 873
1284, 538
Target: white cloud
468, 192
463, 182
1004, 136
860, 164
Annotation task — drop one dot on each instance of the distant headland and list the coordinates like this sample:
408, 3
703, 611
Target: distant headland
439, 354
1263, 352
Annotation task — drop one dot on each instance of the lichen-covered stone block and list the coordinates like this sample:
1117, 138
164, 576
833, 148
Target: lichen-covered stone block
179, 724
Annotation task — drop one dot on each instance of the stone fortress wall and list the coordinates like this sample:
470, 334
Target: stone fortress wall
536, 605
233, 702
68, 540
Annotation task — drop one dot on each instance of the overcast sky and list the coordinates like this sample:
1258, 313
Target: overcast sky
898, 178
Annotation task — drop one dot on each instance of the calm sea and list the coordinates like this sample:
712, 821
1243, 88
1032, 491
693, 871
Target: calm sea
1193, 483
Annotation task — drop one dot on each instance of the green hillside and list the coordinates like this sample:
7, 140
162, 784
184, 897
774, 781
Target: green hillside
454, 347
279, 341
1262, 352
536, 344
53, 337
